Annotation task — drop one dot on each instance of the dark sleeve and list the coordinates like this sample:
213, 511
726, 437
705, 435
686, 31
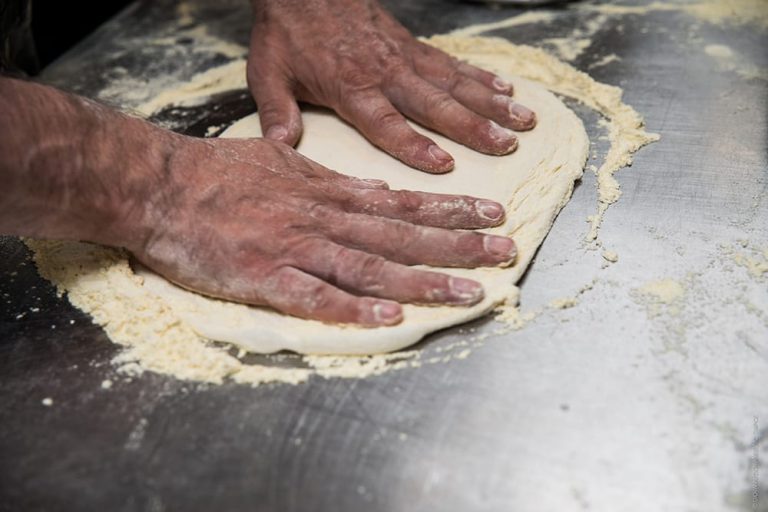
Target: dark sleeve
17, 48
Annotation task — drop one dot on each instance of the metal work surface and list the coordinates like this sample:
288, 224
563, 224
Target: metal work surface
617, 403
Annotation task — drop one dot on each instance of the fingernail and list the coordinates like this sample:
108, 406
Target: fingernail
466, 290
277, 132
439, 154
489, 210
501, 85
387, 312
500, 247
521, 114
503, 137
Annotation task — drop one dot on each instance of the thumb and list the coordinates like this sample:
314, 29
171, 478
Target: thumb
278, 110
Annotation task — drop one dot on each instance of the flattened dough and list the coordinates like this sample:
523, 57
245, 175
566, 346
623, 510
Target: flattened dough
535, 182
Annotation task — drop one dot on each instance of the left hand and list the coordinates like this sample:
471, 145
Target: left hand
354, 57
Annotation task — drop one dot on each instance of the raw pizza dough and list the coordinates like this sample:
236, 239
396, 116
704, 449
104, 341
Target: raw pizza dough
535, 182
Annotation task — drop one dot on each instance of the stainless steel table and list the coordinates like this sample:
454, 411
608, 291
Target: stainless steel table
615, 404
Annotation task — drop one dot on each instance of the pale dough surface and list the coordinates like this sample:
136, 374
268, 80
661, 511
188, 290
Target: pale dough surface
535, 182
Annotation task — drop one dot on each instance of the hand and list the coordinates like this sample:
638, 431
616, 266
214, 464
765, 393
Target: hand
255, 222
245, 220
354, 57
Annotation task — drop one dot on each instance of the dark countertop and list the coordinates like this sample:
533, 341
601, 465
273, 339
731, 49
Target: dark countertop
604, 406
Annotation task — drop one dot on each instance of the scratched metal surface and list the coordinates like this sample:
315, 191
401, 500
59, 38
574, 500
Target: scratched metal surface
610, 405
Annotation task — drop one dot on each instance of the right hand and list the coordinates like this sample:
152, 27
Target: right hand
354, 57
253, 221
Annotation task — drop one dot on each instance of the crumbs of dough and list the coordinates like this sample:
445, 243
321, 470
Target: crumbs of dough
718, 50
754, 261
564, 303
513, 317
754, 266
569, 302
610, 256
662, 296
568, 48
604, 61
463, 354
664, 291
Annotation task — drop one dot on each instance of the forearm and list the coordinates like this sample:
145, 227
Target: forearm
74, 169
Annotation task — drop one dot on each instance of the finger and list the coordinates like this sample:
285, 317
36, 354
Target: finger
488, 79
410, 244
437, 210
474, 95
371, 275
296, 293
436, 109
372, 113
279, 112
344, 180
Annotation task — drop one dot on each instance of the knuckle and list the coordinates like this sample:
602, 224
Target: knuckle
466, 67
396, 66
338, 257
408, 201
438, 101
269, 109
321, 212
276, 283
404, 235
455, 81
284, 290
385, 118
386, 51
319, 297
354, 79
370, 271
303, 250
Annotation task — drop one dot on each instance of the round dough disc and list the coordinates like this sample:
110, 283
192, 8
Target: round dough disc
535, 182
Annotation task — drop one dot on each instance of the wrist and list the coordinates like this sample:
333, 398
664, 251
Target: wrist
139, 163
98, 180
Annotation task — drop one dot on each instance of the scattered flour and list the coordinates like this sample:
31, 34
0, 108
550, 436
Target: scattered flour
728, 60
718, 51
564, 303
717, 12
756, 264
663, 291
604, 61
661, 296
